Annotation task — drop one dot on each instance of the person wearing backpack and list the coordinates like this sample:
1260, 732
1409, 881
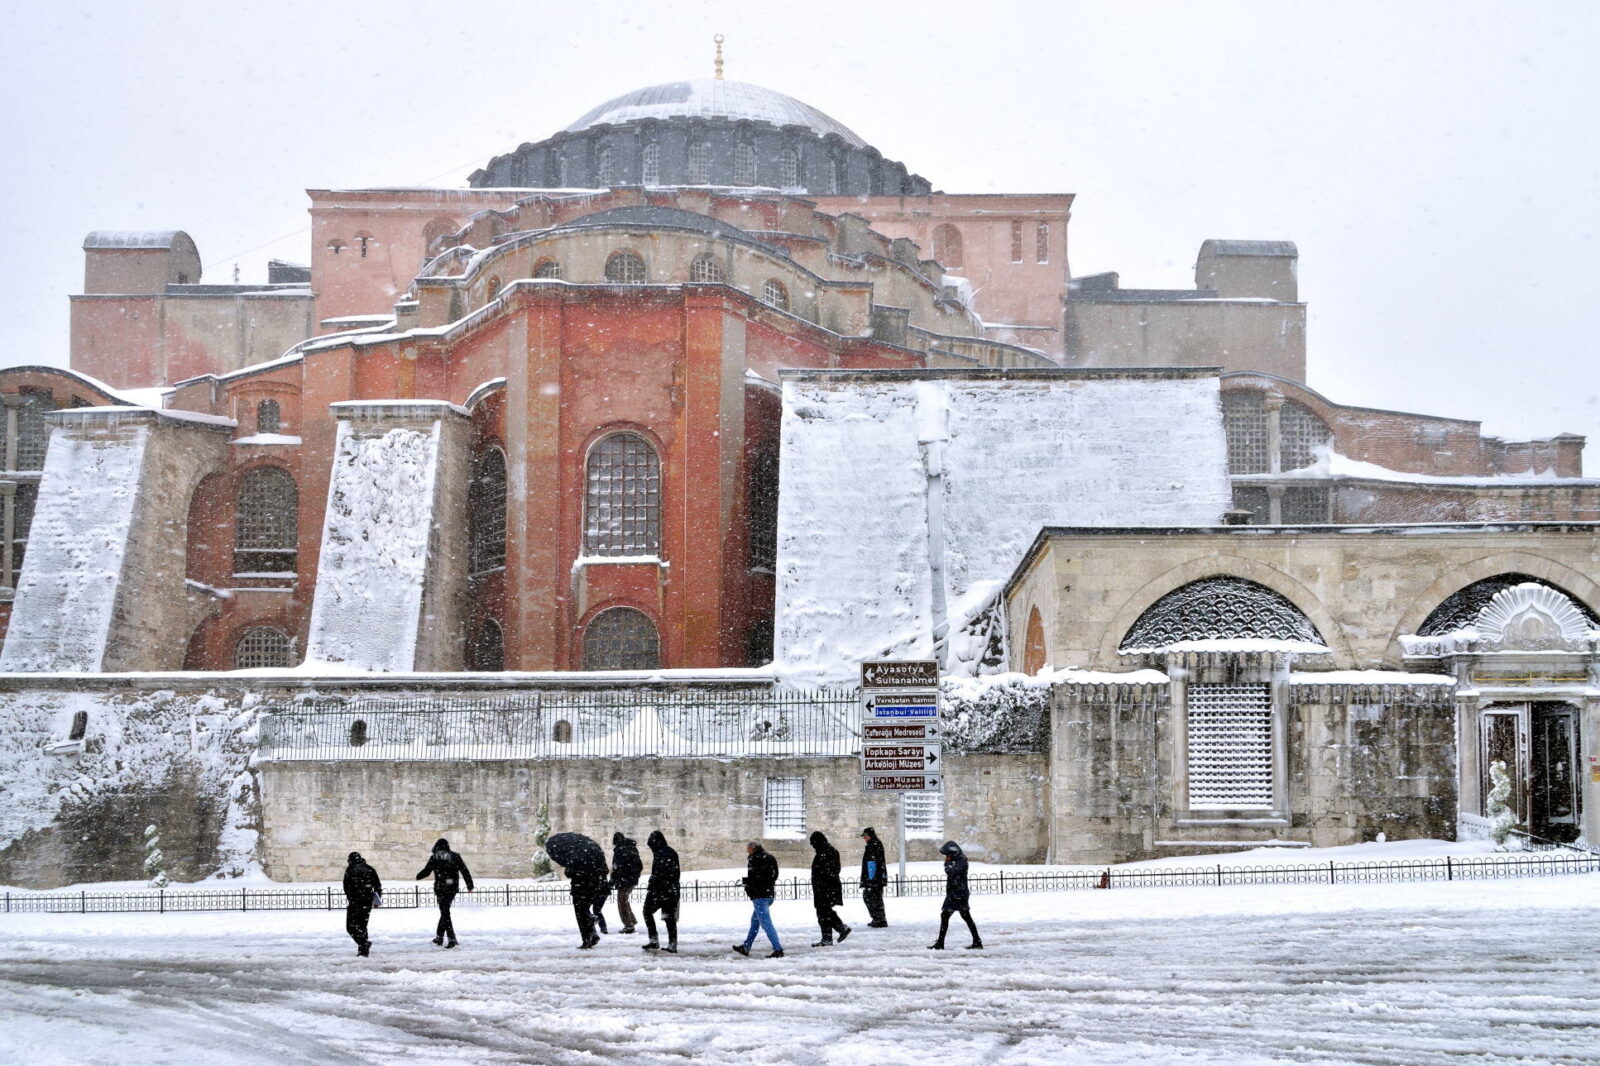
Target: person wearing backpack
449, 871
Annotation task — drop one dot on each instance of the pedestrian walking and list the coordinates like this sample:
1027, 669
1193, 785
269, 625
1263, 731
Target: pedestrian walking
761, 885
874, 876
362, 892
956, 895
449, 872
626, 868
661, 892
585, 866
826, 891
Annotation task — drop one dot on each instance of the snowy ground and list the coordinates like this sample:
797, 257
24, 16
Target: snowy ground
1411, 974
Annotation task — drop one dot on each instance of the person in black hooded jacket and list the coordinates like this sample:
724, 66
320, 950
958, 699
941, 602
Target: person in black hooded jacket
957, 896
661, 892
874, 876
449, 871
361, 893
625, 870
826, 891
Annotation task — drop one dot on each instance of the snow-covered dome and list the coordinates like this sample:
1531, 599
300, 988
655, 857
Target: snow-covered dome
710, 98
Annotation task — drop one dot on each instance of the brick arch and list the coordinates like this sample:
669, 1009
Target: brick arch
1035, 646
1572, 581
1290, 588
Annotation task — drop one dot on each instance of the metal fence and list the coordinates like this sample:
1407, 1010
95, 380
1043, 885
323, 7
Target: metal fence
681, 723
553, 893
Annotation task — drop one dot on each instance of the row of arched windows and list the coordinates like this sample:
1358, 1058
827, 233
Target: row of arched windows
627, 268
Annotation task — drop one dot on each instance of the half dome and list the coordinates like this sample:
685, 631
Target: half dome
709, 98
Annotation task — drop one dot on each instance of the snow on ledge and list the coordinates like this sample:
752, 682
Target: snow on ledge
1367, 677
266, 438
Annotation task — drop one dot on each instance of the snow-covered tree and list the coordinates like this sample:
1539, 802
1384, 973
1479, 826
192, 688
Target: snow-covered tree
1501, 818
154, 862
541, 833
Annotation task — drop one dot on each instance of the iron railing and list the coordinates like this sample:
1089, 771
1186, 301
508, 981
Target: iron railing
552, 893
674, 723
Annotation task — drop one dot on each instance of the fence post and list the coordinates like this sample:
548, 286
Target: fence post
1002, 882
1330, 871
508, 893
696, 885
244, 900
1219, 875
1449, 869
330, 897
83, 903
161, 901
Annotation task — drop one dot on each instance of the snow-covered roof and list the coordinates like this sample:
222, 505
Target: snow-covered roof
132, 238
1272, 248
711, 98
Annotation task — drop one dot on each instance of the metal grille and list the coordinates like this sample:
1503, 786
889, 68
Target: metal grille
699, 168
924, 814
268, 418
1305, 506
789, 169
1253, 499
487, 651
266, 522
625, 268
486, 498
547, 268
1219, 608
1302, 435
1461, 609
775, 294
744, 164
263, 647
622, 497
1041, 243
24, 503
705, 268
651, 159
783, 807
33, 433
1016, 242
621, 639
1230, 747
1244, 417
764, 507
605, 167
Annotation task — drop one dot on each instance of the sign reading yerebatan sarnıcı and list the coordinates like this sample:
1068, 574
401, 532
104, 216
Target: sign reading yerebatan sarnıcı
902, 783
901, 706
899, 673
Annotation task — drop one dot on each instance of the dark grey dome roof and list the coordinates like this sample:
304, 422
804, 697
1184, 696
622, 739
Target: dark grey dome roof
709, 98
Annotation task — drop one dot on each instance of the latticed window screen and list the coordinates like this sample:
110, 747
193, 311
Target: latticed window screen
1244, 417
839, 177
783, 807
651, 160
266, 522
698, 171
621, 639
775, 294
268, 419
1230, 747
486, 500
705, 268
487, 649
23, 505
744, 164
789, 168
764, 507
1253, 499
605, 166
263, 647
622, 497
1305, 506
625, 268
33, 432
924, 814
1302, 434
1041, 242
547, 268
1016, 242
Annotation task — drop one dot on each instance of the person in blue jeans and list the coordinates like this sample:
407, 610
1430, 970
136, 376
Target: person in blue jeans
760, 884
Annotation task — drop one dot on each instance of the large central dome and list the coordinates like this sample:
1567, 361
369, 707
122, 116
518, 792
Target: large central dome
709, 98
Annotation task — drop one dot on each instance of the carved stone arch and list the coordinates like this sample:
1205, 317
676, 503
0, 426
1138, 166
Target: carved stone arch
1457, 577
1291, 589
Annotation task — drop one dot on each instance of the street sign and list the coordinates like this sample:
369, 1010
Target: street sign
899, 673
916, 732
903, 783
916, 758
897, 705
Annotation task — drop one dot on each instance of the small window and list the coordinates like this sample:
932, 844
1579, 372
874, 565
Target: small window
925, 815
263, 647
775, 294
487, 651
486, 511
80, 725
1230, 746
365, 241
651, 159
1041, 243
625, 268
744, 164
266, 522
698, 171
267, 420
783, 807
492, 290
764, 507
621, 638
547, 268
705, 268
1016, 242
24, 501
605, 166
789, 169
562, 733
1034, 652
947, 246
561, 171
840, 177
358, 733
33, 432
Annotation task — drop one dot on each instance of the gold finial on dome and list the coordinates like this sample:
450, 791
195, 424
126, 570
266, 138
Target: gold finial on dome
718, 39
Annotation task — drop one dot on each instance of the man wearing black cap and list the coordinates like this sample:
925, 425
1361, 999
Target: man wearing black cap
874, 875
361, 893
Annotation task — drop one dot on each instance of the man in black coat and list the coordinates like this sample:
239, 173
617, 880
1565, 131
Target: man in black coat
361, 892
956, 895
826, 891
661, 892
626, 868
449, 870
585, 866
761, 885
874, 876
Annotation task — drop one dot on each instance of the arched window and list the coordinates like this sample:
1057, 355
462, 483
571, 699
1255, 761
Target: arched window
263, 647
1247, 419
562, 733
33, 432
486, 507
365, 241
358, 733
605, 166
775, 294
764, 506
1304, 436
266, 522
493, 288
1244, 418
561, 170
487, 650
838, 177
789, 168
1219, 608
705, 268
651, 160
547, 268
622, 497
434, 234
621, 638
267, 417
625, 268
1033, 653
744, 164
947, 245
698, 171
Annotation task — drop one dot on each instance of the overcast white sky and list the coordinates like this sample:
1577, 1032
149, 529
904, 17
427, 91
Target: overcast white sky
1437, 163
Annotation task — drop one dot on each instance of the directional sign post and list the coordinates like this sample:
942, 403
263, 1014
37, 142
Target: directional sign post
900, 731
